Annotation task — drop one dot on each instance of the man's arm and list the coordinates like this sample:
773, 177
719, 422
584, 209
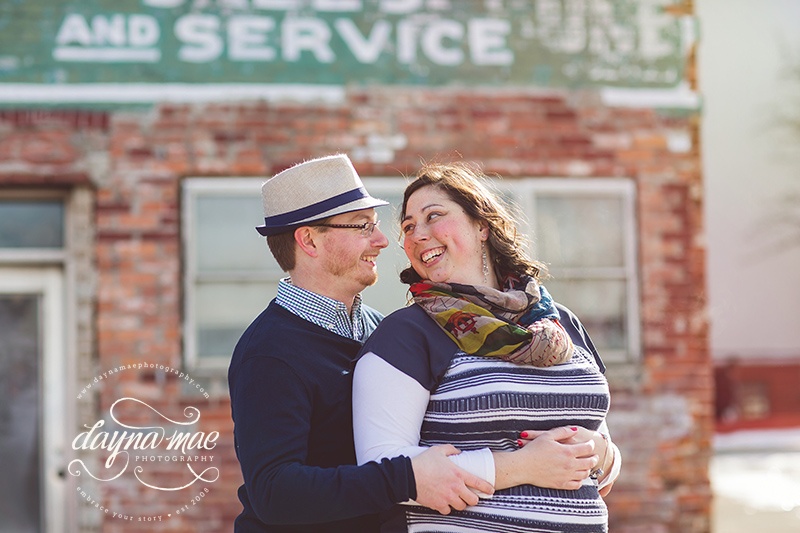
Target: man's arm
272, 412
443, 486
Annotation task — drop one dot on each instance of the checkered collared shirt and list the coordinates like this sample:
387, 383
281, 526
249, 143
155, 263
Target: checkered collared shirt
321, 310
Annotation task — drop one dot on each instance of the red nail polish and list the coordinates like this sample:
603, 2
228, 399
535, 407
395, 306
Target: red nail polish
519, 443
574, 428
524, 434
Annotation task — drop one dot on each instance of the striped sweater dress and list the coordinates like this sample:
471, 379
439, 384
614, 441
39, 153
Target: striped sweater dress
478, 404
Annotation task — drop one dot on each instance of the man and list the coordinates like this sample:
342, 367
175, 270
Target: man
290, 375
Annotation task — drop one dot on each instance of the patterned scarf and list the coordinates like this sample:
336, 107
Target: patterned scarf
518, 324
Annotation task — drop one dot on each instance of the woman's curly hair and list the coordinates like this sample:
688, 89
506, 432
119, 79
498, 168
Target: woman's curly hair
464, 184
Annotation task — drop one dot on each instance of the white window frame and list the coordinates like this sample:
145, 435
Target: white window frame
38, 255
524, 192
191, 188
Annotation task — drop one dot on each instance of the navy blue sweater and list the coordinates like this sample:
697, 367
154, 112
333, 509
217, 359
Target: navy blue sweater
290, 385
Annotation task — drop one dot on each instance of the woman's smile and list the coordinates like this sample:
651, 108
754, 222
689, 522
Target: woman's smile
429, 257
442, 242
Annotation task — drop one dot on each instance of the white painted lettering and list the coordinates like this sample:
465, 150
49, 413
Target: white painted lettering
407, 32
234, 4
397, 7
109, 30
200, 35
247, 38
366, 50
433, 42
653, 21
163, 3
277, 5
602, 15
336, 6
605, 43
487, 42
143, 30
572, 37
562, 27
74, 30
306, 34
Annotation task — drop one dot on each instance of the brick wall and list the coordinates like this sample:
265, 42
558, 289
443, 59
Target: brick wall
662, 414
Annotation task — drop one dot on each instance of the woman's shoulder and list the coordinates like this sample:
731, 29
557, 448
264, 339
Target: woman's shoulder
578, 333
407, 325
409, 313
413, 343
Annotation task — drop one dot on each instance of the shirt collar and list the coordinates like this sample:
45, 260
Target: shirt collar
321, 310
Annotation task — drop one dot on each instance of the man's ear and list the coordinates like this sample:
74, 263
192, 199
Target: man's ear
304, 237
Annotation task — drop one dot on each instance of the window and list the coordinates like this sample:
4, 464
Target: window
583, 229
32, 227
230, 276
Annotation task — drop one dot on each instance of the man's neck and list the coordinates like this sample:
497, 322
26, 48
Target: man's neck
313, 284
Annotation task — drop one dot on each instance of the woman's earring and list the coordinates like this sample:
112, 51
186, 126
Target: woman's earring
485, 263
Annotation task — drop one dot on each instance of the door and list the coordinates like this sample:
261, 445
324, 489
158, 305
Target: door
33, 405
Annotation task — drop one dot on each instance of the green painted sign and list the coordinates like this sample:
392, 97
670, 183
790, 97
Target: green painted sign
544, 43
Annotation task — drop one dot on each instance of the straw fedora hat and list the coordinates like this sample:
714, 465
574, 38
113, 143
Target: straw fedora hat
312, 190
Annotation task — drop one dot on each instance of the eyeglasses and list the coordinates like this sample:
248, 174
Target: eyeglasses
366, 228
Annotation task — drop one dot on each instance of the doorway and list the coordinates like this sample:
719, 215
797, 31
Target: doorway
32, 410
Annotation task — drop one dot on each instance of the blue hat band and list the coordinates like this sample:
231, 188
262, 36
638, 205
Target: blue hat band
309, 211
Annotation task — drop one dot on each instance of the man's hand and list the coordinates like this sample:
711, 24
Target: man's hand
441, 485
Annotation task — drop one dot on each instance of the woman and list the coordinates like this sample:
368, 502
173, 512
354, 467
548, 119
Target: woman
464, 365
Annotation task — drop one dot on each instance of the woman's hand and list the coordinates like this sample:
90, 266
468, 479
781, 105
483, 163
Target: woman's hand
580, 434
560, 458
601, 448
